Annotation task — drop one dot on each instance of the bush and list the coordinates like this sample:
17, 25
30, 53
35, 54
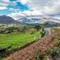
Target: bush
39, 55
53, 52
37, 27
58, 42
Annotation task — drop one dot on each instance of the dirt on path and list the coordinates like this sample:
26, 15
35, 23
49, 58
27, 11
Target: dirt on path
28, 52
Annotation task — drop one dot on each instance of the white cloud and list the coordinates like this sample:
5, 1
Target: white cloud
17, 15
40, 6
23, 1
3, 4
33, 12
5, 0
57, 17
46, 6
2, 8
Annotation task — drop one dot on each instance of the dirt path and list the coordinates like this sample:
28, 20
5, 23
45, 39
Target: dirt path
29, 52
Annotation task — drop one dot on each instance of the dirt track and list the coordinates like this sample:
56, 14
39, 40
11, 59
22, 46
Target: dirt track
28, 53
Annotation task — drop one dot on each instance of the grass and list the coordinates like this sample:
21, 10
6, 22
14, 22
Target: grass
17, 40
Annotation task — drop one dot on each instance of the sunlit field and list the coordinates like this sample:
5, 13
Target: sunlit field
17, 40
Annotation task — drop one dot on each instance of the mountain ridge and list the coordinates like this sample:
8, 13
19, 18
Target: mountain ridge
6, 20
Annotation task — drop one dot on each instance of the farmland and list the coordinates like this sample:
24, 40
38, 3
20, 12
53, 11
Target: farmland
16, 40
14, 37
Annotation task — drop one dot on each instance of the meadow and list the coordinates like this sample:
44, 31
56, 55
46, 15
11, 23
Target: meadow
17, 40
13, 38
17, 37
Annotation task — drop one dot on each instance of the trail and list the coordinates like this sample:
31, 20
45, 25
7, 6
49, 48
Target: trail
28, 52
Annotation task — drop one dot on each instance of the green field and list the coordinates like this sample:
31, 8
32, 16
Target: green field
17, 40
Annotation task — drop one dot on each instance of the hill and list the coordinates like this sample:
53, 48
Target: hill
6, 20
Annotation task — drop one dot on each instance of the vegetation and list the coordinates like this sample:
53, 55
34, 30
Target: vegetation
53, 53
15, 37
38, 55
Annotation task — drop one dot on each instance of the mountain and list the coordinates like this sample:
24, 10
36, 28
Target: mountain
51, 24
31, 17
6, 20
26, 18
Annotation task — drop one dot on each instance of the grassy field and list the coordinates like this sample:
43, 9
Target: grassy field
14, 37
17, 40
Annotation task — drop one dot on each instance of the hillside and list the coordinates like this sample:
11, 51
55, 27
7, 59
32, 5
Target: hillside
6, 20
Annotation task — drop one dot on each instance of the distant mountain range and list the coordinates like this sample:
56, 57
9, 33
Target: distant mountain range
31, 17
51, 24
21, 19
31, 20
6, 20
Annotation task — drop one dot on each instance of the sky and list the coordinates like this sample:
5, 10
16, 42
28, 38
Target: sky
47, 6
44, 7
10, 6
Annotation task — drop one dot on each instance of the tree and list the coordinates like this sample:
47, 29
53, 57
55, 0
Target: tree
37, 27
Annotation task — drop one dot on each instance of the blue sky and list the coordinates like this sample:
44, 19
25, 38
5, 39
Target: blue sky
49, 7
9, 6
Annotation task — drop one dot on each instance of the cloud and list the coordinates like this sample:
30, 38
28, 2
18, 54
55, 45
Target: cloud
6, 0
23, 1
46, 6
13, 5
3, 4
2, 8
17, 15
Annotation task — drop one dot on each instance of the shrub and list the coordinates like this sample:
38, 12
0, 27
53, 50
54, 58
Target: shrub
53, 52
37, 27
39, 55
58, 42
